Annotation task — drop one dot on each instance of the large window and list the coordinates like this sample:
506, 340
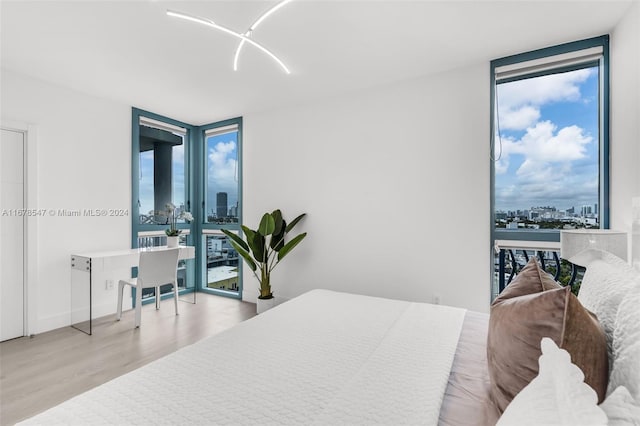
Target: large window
222, 205
160, 178
221, 145
162, 172
194, 169
550, 141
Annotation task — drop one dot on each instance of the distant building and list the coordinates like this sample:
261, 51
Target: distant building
586, 211
221, 204
544, 213
233, 211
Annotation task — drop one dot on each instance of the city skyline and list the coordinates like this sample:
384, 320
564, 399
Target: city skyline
593, 206
548, 217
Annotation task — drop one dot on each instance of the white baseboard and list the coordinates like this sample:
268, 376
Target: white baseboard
249, 296
52, 322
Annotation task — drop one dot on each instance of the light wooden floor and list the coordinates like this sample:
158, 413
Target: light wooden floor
39, 372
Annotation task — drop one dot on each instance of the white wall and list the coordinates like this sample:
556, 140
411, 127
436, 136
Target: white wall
83, 152
625, 118
395, 182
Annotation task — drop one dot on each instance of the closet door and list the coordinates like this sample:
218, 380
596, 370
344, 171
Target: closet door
12, 226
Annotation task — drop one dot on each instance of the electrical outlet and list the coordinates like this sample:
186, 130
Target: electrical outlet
109, 285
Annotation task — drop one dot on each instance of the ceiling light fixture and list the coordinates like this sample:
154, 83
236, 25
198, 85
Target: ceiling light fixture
253, 27
242, 37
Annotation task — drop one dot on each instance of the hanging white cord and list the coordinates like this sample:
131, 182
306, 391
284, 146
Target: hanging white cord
493, 136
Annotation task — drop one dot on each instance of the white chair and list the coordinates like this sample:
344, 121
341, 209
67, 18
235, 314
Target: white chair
156, 268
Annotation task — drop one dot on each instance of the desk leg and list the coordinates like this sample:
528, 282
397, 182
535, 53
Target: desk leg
81, 294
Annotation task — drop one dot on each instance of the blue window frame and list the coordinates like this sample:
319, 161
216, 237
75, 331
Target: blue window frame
550, 141
171, 162
220, 147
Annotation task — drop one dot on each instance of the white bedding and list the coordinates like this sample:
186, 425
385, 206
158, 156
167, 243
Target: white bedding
322, 358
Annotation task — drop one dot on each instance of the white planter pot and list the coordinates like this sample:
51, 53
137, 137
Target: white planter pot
172, 241
263, 305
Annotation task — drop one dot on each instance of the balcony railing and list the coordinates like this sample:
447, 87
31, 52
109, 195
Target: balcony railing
511, 256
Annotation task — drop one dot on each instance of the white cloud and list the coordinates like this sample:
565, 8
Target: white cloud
501, 165
520, 118
501, 152
555, 187
540, 144
520, 101
549, 172
222, 167
534, 171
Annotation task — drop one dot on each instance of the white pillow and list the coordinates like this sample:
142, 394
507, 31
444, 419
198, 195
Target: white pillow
557, 396
606, 282
625, 366
621, 409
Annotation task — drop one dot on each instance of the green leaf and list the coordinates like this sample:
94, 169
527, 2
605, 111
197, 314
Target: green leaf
267, 225
294, 222
258, 248
245, 255
248, 232
236, 238
277, 239
277, 218
290, 245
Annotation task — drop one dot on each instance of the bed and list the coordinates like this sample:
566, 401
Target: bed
323, 358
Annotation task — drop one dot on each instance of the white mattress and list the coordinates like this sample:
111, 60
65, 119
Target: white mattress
323, 358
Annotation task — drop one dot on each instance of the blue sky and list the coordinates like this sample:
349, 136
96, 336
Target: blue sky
547, 153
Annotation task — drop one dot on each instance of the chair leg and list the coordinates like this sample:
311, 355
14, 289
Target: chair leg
119, 311
138, 305
157, 298
175, 296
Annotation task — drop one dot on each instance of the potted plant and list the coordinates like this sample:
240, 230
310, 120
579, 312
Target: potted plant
264, 248
173, 233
